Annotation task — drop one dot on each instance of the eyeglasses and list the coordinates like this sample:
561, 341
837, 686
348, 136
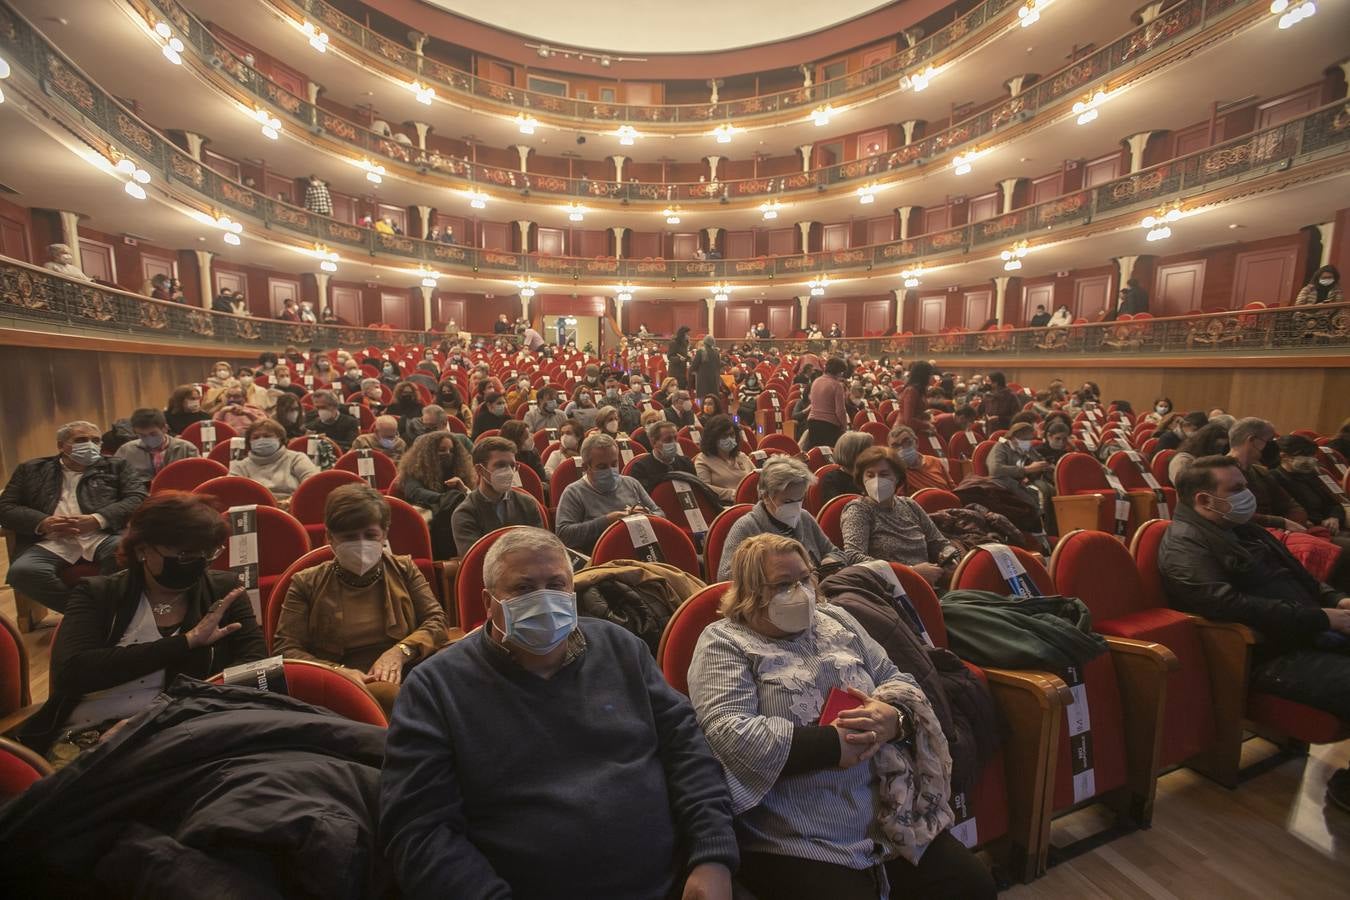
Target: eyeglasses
808, 584
189, 557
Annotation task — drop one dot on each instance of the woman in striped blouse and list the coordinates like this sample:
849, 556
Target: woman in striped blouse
852, 808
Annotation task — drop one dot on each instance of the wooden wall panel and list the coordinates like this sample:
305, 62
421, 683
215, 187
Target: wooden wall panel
97, 259
978, 308
830, 312
930, 314
644, 245
279, 290
682, 246
1047, 187
834, 237
14, 241
691, 314
395, 309
591, 243
986, 206
448, 309
1265, 276
551, 242
496, 235
737, 322
1102, 170
881, 231
1177, 288
936, 219
1274, 112
877, 317
153, 264
782, 242
738, 244
1091, 296
782, 320
347, 304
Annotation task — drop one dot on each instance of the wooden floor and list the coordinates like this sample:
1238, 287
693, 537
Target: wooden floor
1274, 837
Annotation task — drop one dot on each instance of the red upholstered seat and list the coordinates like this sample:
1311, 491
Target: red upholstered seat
186, 474
831, 514
272, 608
718, 529
675, 546
20, 768
933, 499
530, 483
959, 446
1097, 569
469, 603
222, 452
748, 490
385, 469
235, 490
320, 684
780, 442
668, 499
281, 541
307, 503
15, 693
879, 432
1132, 477
193, 435
817, 457
814, 499
676, 649
979, 460
564, 474
1158, 463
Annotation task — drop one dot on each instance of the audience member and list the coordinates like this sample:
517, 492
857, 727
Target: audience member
828, 418
782, 489
433, 418
1014, 465
407, 402
66, 508
1209, 440
1301, 476
1215, 562
837, 482
913, 399
1000, 405
681, 410
154, 447
270, 463
518, 698
600, 497
518, 433
569, 444
921, 470
822, 808
665, 459
184, 408
1324, 287
366, 610
545, 412
435, 474
1174, 428
880, 525
61, 260
289, 415
384, 438
331, 420
494, 503
235, 409
721, 465
582, 409
125, 635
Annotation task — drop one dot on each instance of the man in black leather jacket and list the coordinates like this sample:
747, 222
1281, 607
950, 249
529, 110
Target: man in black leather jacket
66, 508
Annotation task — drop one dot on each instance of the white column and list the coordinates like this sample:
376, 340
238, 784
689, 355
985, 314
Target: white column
619, 231
714, 84
1126, 264
426, 306
804, 303
618, 166
903, 212
1149, 13
805, 151
320, 282
618, 314
908, 128
194, 144
1137, 142
1328, 231
312, 92
525, 308
1345, 70
204, 277
1008, 185
424, 214
711, 303
805, 229
524, 153
1000, 296
423, 129
899, 308
70, 236
712, 168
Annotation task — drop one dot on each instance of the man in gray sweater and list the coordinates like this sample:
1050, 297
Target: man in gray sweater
601, 496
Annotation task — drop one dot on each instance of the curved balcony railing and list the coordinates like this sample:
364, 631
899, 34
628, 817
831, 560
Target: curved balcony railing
970, 28
1076, 78
36, 299
1322, 133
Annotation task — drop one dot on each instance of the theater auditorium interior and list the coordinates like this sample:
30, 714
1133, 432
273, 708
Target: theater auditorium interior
675, 450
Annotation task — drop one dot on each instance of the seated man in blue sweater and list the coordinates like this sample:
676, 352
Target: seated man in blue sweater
543, 758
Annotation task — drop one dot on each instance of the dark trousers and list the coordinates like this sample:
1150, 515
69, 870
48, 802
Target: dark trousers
947, 869
820, 433
1319, 678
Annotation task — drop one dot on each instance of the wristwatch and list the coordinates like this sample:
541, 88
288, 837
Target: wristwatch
407, 651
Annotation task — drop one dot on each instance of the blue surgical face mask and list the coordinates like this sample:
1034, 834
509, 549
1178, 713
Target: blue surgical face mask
1241, 507
605, 480
537, 622
726, 444
264, 446
910, 455
388, 442
152, 441
86, 453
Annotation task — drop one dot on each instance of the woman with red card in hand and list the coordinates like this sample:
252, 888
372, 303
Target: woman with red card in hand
838, 770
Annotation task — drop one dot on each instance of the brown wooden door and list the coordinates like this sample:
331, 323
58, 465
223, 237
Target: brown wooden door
451, 310
347, 305
1177, 288
157, 265
930, 314
226, 279
834, 237
985, 206
781, 321
877, 317
395, 309
14, 239
1034, 295
739, 245
834, 311
97, 259
690, 314
1047, 188
1091, 297
551, 242
979, 307
1265, 276
279, 290
738, 321
682, 246
1102, 170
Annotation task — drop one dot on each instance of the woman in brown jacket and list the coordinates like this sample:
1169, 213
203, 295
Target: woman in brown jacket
368, 610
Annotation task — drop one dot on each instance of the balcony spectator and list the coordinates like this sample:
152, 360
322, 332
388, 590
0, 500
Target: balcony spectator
1062, 317
317, 198
1325, 287
307, 313
835, 331
62, 261
223, 302
1041, 318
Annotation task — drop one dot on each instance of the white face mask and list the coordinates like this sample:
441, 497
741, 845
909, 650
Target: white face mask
502, 479
1161, 409
612, 426
569, 442
789, 513
880, 488
328, 415
358, 557
1023, 446
792, 610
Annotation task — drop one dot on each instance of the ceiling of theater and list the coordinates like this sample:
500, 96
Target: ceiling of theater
660, 26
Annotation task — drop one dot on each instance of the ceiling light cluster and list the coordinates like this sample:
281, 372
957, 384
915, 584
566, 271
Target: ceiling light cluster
627, 134
919, 80
672, 214
1030, 14
724, 132
136, 176
173, 47
1086, 110
477, 199
911, 276
867, 193
1012, 259
721, 292
4, 73
1291, 13
428, 277
818, 285
231, 228
424, 93
526, 124
961, 162
327, 258
770, 209
821, 115
526, 287
624, 293
1159, 225
318, 38
374, 171
270, 124
576, 212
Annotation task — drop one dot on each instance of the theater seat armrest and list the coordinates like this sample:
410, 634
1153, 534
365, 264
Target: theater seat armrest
1245, 633
1155, 653
1142, 669
1228, 652
18, 717
1030, 708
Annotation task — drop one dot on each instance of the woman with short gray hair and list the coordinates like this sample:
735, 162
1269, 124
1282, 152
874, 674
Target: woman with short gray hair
782, 489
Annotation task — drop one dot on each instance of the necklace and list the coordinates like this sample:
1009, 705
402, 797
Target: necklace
162, 609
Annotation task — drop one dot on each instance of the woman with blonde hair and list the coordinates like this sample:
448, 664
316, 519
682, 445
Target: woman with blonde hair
838, 769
